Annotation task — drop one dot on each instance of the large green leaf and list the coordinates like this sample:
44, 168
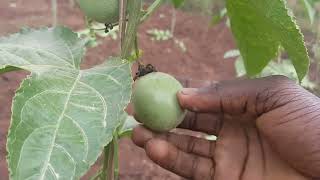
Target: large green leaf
260, 27
62, 116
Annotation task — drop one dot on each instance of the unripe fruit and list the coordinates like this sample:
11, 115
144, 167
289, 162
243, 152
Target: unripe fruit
155, 101
103, 11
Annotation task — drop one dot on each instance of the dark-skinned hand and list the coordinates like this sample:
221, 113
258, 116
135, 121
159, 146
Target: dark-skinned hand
267, 129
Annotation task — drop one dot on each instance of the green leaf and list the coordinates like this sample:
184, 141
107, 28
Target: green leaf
284, 68
59, 47
177, 3
260, 27
133, 22
62, 116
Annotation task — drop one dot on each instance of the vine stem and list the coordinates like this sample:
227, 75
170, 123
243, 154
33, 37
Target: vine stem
122, 22
110, 169
116, 156
110, 162
111, 165
154, 6
136, 50
107, 169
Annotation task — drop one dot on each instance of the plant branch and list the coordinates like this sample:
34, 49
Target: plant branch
136, 46
122, 22
107, 169
154, 6
131, 30
116, 156
110, 166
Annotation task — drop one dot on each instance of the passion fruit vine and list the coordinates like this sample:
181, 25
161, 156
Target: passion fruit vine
155, 101
103, 11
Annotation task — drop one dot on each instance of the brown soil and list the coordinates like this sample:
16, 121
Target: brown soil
203, 60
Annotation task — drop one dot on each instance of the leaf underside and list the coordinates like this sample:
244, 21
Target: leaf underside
260, 27
62, 116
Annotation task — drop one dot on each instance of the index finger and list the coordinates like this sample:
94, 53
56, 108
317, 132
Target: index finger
201, 122
236, 97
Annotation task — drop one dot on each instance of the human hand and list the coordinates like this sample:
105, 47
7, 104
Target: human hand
267, 128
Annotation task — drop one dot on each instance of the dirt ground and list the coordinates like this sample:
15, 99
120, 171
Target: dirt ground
203, 60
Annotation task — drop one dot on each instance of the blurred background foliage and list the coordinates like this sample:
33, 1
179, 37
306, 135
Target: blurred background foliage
307, 14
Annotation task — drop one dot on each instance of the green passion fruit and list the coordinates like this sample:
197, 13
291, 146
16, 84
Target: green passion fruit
103, 11
155, 101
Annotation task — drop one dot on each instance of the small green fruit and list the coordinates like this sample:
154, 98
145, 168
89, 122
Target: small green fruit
155, 101
103, 11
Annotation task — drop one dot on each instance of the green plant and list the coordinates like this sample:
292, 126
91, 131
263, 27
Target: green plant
155, 101
277, 67
64, 117
284, 66
278, 30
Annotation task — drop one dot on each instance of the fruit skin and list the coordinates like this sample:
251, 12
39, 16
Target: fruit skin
103, 11
155, 101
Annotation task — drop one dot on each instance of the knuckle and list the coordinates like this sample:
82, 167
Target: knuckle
195, 164
175, 162
277, 91
279, 82
280, 79
212, 147
191, 121
191, 144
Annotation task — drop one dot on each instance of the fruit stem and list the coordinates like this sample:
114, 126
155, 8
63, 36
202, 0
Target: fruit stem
136, 49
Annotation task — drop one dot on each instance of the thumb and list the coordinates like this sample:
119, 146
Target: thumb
254, 96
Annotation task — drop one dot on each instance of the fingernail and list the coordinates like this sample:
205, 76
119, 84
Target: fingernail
189, 91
